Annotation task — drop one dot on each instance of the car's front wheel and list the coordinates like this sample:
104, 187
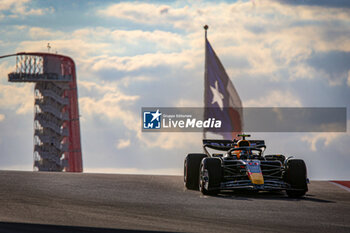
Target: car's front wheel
191, 170
210, 176
296, 176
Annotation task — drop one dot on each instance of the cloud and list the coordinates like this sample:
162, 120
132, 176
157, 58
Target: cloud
318, 141
162, 39
170, 141
5, 67
188, 103
301, 71
250, 49
98, 88
126, 81
42, 33
20, 8
316, 138
72, 47
323, 3
100, 48
275, 99
155, 39
145, 13
123, 143
148, 60
334, 64
2, 117
17, 97
202, 12
111, 106
263, 45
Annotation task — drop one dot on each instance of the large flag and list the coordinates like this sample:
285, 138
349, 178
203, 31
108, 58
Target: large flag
221, 99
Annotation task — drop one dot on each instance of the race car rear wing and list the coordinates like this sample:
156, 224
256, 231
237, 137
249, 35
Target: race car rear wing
257, 143
225, 145
219, 144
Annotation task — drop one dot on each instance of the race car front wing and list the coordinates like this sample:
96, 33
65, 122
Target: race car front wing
248, 185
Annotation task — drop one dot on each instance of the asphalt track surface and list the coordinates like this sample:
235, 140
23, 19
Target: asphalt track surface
66, 202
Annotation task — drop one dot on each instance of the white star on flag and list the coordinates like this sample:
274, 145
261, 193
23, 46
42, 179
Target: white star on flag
217, 96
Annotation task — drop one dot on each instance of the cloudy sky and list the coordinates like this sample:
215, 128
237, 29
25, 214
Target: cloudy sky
139, 54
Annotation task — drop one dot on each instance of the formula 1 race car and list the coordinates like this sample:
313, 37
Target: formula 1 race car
243, 167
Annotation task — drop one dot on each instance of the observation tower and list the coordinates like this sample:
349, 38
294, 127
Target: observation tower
57, 145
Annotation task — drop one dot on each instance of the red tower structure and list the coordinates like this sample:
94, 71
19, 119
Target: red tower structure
57, 145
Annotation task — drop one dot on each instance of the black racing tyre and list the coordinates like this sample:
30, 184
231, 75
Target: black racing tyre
296, 176
210, 176
191, 170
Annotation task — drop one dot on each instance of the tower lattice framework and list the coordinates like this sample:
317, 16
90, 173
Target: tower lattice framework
57, 144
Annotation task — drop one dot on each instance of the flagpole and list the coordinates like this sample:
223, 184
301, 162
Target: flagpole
205, 69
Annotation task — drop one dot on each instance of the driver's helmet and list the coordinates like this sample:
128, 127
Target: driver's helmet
244, 153
243, 143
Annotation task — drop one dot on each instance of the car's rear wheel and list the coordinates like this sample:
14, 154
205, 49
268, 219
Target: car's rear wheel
296, 176
191, 170
210, 176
